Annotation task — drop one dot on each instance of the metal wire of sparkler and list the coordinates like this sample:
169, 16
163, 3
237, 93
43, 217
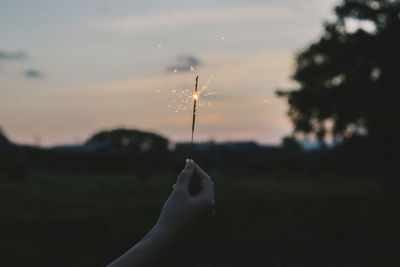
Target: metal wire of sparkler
194, 115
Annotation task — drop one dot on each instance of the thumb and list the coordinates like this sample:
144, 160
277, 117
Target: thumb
186, 175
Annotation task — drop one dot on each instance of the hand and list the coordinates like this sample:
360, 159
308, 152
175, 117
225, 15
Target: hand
182, 208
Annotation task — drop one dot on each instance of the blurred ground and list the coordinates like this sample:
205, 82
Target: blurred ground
285, 219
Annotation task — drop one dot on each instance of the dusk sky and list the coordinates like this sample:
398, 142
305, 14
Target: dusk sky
71, 68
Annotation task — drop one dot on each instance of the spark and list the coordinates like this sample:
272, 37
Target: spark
182, 99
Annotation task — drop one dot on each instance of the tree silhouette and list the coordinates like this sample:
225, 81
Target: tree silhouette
349, 80
130, 139
3, 138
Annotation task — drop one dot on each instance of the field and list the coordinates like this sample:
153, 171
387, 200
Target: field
280, 219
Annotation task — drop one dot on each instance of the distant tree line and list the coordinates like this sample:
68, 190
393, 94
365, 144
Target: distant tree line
146, 154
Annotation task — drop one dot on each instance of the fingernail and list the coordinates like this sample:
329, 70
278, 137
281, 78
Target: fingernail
189, 164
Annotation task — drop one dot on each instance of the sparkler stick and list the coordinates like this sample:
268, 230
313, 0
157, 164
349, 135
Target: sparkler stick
195, 96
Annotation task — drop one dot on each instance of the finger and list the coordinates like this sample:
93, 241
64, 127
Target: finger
186, 175
205, 181
199, 171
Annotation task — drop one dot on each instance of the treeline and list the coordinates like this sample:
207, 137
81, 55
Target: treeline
146, 154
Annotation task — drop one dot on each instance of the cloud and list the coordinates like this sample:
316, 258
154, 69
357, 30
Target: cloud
31, 73
17, 55
20, 55
187, 18
184, 64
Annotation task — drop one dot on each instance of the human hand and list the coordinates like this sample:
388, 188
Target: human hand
182, 208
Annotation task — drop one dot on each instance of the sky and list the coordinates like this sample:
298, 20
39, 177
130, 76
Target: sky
69, 69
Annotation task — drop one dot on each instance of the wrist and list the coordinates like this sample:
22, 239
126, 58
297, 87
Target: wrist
164, 231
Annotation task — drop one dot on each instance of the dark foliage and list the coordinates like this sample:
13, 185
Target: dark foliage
349, 86
3, 138
351, 78
129, 139
16, 168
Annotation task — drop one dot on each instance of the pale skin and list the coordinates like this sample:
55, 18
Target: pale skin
179, 210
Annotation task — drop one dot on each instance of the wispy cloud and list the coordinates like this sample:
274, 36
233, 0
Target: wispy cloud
188, 18
184, 63
32, 73
17, 55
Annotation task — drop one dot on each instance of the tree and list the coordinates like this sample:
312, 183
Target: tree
290, 144
349, 85
3, 138
130, 139
349, 80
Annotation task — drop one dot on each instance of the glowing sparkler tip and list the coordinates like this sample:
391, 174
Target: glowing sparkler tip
195, 96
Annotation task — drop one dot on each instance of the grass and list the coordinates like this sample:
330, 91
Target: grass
285, 219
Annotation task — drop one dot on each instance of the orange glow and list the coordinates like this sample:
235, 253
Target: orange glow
195, 96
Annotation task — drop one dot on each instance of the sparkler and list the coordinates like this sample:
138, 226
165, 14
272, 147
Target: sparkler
195, 96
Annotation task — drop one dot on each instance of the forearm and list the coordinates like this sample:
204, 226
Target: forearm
148, 249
